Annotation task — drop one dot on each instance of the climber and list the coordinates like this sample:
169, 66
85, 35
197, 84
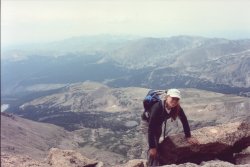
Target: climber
160, 111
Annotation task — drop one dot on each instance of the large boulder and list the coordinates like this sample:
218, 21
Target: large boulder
216, 142
69, 158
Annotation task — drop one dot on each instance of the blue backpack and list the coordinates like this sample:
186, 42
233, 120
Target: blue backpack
152, 97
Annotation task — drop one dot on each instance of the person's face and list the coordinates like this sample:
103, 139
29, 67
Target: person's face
172, 101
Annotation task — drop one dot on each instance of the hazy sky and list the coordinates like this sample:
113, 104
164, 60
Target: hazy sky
28, 21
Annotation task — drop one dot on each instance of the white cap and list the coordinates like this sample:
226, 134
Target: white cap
174, 93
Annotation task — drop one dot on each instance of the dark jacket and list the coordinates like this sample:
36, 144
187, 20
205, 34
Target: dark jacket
158, 115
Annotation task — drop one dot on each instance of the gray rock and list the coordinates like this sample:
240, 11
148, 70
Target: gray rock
131, 124
215, 142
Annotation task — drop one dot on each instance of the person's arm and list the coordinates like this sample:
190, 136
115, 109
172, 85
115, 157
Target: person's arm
153, 124
185, 123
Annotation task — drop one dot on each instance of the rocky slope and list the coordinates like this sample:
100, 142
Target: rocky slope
55, 158
23, 136
221, 146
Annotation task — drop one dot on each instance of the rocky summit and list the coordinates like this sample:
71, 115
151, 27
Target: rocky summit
223, 145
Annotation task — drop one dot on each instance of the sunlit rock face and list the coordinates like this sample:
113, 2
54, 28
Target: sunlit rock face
220, 142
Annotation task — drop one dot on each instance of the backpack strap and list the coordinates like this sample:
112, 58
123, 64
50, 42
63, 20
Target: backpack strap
165, 121
165, 125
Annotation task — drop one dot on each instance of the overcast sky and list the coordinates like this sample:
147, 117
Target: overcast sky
28, 21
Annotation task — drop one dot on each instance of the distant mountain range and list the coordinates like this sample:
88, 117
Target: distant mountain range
181, 61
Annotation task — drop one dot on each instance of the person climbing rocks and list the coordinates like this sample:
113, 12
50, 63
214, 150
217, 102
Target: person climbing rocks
160, 111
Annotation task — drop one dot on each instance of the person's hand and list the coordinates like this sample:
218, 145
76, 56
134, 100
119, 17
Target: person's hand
153, 152
192, 140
